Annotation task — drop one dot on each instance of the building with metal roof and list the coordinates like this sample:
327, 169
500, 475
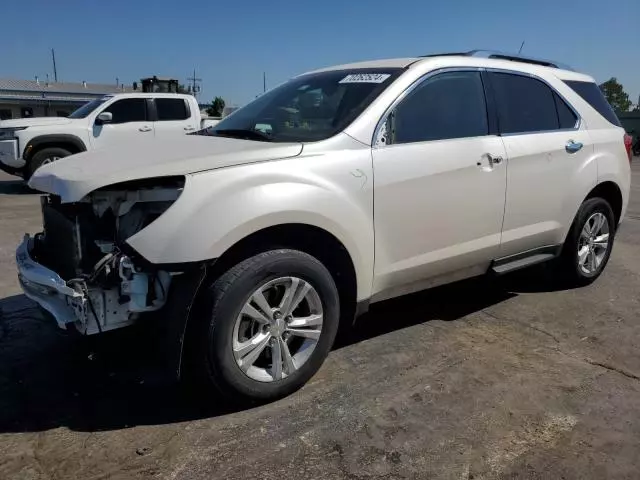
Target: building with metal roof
37, 98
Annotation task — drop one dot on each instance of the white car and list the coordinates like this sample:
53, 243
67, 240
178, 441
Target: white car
342, 187
28, 143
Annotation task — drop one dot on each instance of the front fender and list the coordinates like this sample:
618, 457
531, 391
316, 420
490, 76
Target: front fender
219, 208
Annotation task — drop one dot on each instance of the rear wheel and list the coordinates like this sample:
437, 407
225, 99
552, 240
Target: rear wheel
45, 156
589, 243
266, 326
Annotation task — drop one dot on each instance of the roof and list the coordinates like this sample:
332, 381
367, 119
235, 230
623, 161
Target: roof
59, 87
494, 58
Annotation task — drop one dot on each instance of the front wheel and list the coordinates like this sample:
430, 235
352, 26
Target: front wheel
589, 242
45, 156
266, 326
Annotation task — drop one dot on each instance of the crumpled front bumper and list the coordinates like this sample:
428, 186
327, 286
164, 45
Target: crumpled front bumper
47, 288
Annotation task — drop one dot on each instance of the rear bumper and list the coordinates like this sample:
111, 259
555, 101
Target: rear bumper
47, 288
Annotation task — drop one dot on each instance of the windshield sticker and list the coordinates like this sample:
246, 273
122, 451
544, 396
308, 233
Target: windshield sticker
365, 78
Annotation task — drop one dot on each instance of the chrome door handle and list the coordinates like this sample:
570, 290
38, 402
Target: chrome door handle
573, 147
145, 129
494, 160
489, 159
188, 129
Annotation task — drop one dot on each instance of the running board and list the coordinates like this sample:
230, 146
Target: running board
523, 260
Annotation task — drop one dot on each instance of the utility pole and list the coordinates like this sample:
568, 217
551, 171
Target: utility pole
264, 82
194, 85
55, 71
522, 45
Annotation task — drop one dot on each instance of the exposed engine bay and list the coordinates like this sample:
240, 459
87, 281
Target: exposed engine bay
84, 243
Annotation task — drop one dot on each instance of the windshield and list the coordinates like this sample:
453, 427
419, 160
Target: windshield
307, 108
87, 108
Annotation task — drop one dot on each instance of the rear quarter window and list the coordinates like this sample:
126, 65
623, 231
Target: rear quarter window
592, 94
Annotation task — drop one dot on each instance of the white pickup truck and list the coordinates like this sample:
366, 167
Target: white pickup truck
28, 143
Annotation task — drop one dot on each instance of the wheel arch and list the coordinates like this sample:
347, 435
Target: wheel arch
610, 192
189, 288
313, 240
69, 142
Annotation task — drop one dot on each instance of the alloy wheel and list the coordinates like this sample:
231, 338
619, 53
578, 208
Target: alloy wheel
277, 329
49, 160
593, 243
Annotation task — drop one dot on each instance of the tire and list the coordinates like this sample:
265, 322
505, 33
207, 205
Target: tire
222, 331
46, 155
578, 270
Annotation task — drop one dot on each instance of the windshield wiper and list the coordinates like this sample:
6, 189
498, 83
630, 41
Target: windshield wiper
246, 134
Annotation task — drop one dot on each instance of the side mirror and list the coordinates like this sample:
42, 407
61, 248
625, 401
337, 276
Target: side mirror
104, 117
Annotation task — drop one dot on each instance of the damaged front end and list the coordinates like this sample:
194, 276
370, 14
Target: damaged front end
80, 268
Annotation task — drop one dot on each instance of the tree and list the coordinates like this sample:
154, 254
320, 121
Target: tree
615, 95
216, 108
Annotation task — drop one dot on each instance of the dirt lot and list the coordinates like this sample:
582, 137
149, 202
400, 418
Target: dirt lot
483, 379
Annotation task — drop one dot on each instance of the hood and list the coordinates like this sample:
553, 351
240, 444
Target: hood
34, 122
74, 177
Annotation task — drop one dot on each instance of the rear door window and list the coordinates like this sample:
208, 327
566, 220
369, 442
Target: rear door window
445, 106
592, 94
525, 104
171, 109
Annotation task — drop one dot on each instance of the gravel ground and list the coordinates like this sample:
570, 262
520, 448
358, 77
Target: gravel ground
510, 378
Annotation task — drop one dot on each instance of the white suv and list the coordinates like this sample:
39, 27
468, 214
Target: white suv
342, 187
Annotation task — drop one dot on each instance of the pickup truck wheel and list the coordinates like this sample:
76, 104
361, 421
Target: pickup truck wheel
267, 326
589, 242
44, 156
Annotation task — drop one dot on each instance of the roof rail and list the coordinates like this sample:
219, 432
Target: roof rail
516, 58
448, 54
503, 56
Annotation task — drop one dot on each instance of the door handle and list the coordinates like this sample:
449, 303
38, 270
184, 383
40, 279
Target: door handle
488, 162
494, 160
573, 147
145, 129
188, 129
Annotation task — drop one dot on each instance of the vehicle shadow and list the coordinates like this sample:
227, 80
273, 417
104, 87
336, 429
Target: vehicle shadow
448, 302
50, 379
15, 187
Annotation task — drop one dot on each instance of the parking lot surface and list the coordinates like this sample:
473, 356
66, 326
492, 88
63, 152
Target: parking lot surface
506, 378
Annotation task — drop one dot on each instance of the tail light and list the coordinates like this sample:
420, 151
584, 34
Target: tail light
628, 143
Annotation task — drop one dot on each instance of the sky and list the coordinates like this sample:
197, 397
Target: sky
231, 43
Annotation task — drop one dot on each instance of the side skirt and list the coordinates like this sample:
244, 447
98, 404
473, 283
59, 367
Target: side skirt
515, 262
